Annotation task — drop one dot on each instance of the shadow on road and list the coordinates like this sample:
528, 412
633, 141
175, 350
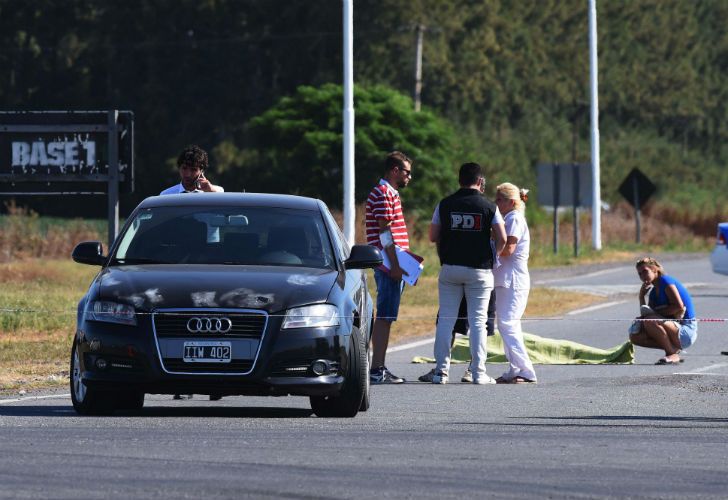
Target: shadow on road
607, 421
159, 411
37, 411
225, 412
661, 421
648, 418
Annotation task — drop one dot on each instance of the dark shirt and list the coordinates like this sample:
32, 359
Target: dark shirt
465, 221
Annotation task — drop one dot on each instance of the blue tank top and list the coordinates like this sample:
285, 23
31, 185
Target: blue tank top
661, 299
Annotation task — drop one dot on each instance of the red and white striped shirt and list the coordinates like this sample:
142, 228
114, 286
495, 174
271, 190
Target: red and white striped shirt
383, 204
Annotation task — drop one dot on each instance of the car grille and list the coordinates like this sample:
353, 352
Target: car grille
247, 324
177, 365
244, 325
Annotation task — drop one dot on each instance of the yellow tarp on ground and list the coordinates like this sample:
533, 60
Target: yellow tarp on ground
544, 351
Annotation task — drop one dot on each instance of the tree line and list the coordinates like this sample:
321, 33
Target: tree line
255, 82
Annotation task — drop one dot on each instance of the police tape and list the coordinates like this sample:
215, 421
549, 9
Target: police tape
212, 311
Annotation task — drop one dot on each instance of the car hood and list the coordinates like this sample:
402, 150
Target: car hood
272, 289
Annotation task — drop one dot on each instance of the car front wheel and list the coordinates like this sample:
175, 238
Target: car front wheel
365, 401
89, 401
356, 385
86, 400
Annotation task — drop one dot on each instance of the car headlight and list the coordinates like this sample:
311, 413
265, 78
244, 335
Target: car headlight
317, 315
111, 312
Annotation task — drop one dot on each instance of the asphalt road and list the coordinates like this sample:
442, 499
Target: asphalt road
637, 431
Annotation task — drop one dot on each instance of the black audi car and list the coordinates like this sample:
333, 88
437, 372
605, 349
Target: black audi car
225, 294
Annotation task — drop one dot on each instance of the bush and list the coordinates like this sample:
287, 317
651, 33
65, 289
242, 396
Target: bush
24, 235
298, 147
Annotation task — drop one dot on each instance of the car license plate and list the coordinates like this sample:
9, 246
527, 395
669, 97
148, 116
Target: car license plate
206, 352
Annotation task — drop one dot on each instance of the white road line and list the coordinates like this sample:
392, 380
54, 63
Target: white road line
596, 307
703, 374
601, 290
588, 275
404, 347
29, 398
607, 290
705, 369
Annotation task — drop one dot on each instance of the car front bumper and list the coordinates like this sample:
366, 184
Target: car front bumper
114, 357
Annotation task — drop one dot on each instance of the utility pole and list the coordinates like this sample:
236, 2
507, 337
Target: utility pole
418, 66
348, 117
593, 78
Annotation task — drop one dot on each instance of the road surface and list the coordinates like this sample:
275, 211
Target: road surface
606, 431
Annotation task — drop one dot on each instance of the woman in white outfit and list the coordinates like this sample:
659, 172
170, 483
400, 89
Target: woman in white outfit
512, 283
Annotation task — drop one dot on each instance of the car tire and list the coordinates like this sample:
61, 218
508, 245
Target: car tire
356, 385
365, 401
86, 400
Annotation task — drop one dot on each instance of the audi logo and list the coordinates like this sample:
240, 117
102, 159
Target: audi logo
209, 325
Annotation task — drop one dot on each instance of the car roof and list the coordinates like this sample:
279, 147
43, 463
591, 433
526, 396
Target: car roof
232, 200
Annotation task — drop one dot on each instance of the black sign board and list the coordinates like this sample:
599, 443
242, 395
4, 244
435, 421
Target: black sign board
637, 188
63, 152
564, 184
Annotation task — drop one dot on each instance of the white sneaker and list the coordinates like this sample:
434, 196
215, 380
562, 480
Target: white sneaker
440, 378
484, 380
467, 376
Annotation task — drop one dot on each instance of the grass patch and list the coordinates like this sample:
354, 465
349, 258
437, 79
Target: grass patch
25, 235
32, 360
37, 321
42, 295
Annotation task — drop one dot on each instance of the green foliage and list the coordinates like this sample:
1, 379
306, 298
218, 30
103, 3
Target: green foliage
512, 79
299, 146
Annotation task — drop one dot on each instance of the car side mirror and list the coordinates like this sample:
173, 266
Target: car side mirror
363, 257
89, 252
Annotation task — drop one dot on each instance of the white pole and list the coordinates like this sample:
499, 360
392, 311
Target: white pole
596, 192
348, 205
418, 67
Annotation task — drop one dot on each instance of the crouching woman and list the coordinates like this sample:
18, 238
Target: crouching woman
668, 317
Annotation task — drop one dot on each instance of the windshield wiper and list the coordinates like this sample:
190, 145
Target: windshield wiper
138, 260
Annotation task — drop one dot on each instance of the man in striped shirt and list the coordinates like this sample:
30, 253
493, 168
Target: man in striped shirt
386, 228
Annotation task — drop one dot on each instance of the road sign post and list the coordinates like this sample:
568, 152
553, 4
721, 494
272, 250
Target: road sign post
113, 182
557, 198
564, 185
575, 173
637, 189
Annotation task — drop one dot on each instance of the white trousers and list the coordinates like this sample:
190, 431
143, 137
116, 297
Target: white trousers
475, 285
510, 305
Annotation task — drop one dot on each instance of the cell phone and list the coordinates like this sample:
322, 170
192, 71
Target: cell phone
197, 181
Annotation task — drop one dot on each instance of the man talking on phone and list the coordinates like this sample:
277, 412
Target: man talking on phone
192, 163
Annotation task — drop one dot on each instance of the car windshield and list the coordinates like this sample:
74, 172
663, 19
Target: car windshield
226, 235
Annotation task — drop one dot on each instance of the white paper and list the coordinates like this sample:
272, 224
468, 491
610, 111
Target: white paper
412, 266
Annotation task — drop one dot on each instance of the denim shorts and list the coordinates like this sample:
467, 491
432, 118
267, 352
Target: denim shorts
687, 333
389, 292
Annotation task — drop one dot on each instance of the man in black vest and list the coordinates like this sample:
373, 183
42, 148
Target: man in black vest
461, 227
